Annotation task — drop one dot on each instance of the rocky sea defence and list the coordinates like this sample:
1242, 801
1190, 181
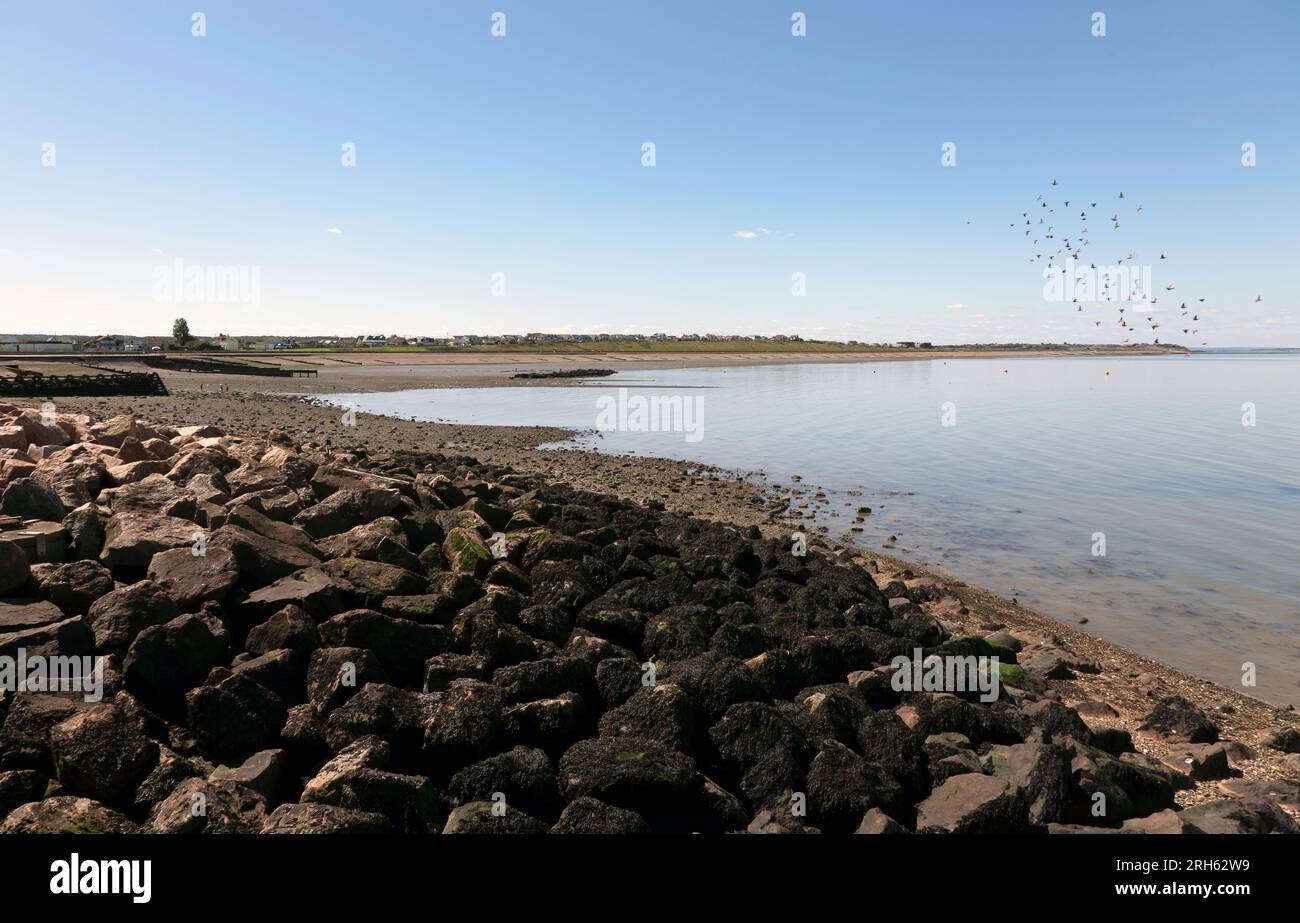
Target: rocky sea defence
289, 638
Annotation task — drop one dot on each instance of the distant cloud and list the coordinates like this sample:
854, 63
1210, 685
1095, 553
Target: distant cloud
333, 230
955, 307
762, 232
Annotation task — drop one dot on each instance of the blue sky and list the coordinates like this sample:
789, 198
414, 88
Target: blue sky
522, 155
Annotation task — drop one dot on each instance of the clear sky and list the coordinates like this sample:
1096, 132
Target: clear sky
522, 155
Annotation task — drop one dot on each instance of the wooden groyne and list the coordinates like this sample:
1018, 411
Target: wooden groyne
110, 385
219, 366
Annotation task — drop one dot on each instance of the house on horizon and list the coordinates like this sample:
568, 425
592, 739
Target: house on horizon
106, 344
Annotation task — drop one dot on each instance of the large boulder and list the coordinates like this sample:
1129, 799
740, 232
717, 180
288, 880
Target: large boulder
382, 540
261, 560
132, 539
764, 750
842, 787
1239, 816
480, 817
262, 772
246, 517
552, 724
40, 429
32, 499
74, 477
1107, 791
154, 495
278, 503
117, 617
310, 589
75, 587
209, 806
67, 814
663, 712
523, 777
118, 429
381, 710
346, 509
291, 628
25, 734
1284, 739
324, 818
635, 773
193, 579
402, 646
335, 674
170, 771
358, 778
590, 815
466, 553
368, 583
12, 437
100, 752
234, 717
85, 530
973, 803
1177, 719
17, 615
465, 726
166, 661
1042, 772
14, 569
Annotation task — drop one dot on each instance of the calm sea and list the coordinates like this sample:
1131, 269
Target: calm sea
1012, 475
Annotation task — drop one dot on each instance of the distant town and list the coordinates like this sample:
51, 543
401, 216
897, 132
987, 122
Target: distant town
118, 343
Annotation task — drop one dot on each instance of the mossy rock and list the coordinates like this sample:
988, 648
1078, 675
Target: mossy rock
466, 553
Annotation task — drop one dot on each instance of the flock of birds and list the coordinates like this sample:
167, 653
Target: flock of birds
1040, 224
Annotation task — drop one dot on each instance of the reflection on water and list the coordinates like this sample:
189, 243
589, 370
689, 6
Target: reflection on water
1197, 510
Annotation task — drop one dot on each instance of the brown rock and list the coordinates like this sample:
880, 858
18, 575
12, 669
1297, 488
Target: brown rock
877, 821
117, 617
66, 814
191, 579
14, 569
132, 539
972, 803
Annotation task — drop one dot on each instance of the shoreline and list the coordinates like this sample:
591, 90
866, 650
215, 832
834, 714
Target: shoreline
743, 496
1127, 684
374, 372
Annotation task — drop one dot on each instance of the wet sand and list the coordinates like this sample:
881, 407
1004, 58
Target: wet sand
357, 372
